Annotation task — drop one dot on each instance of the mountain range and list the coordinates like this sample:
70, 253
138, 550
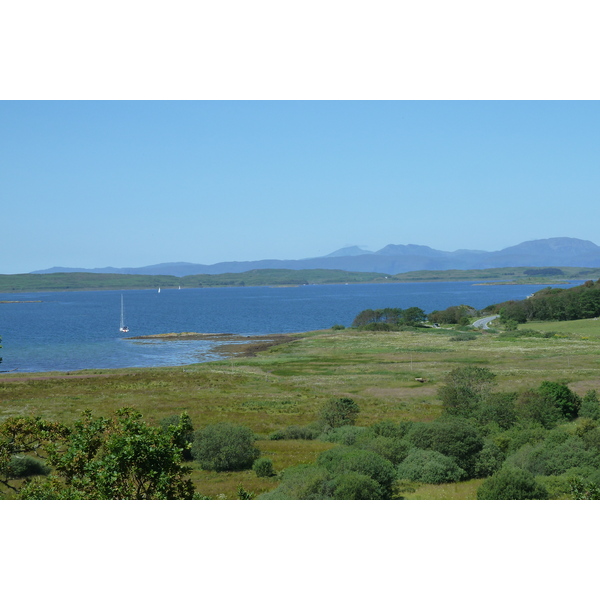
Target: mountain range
392, 259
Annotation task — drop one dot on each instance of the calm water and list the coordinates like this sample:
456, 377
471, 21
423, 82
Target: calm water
79, 330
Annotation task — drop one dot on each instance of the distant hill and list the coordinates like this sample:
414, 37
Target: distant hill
392, 259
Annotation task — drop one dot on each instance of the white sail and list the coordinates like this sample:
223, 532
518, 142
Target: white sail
123, 327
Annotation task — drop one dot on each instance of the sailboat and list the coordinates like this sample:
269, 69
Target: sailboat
123, 327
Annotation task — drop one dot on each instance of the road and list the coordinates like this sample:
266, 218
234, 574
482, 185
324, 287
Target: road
483, 323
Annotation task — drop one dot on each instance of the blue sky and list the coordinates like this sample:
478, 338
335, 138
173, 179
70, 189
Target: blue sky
132, 183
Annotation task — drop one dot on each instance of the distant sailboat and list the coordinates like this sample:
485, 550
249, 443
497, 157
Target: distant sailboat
123, 327
159, 290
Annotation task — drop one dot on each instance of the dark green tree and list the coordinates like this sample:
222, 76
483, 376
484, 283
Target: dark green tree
562, 397
339, 412
464, 389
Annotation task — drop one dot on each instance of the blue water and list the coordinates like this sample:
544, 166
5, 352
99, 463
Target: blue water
68, 331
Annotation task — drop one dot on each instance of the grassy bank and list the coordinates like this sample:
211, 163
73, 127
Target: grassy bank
288, 383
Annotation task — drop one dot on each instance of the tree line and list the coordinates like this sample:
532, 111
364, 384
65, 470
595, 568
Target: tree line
555, 304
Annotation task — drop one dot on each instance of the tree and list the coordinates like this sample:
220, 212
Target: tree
339, 412
562, 397
225, 447
118, 458
464, 389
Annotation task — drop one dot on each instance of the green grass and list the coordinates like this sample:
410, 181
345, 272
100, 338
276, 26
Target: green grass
289, 383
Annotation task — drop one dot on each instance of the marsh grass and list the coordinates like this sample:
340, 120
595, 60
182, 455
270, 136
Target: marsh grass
288, 384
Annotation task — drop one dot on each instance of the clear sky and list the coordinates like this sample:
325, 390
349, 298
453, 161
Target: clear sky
133, 183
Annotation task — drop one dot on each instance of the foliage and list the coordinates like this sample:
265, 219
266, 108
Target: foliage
489, 460
184, 432
339, 412
121, 458
556, 304
452, 437
346, 434
394, 449
582, 490
464, 389
590, 405
342, 459
453, 315
498, 409
225, 447
430, 466
25, 435
511, 484
263, 467
25, 466
562, 397
302, 482
297, 432
389, 318
356, 486
532, 407
388, 428
244, 494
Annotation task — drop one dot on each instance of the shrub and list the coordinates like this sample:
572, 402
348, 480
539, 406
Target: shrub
499, 409
342, 459
532, 406
342, 411
20, 467
451, 436
338, 327
489, 460
302, 482
429, 466
225, 447
185, 435
388, 428
393, 449
464, 388
356, 486
511, 484
297, 432
590, 406
347, 434
562, 397
263, 467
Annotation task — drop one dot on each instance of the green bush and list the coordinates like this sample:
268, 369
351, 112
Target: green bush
388, 428
20, 467
302, 482
499, 409
464, 389
357, 486
225, 447
562, 397
590, 406
489, 460
453, 437
338, 327
297, 432
429, 466
344, 459
391, 448
185, 436
263, 467
532, 407
511, 484
347, 434
339, 412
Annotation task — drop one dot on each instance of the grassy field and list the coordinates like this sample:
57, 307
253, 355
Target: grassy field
581, 327
287, 384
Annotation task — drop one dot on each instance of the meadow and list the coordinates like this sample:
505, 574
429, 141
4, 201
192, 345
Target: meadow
287, 384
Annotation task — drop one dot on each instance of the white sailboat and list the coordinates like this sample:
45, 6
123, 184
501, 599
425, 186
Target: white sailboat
123, 327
